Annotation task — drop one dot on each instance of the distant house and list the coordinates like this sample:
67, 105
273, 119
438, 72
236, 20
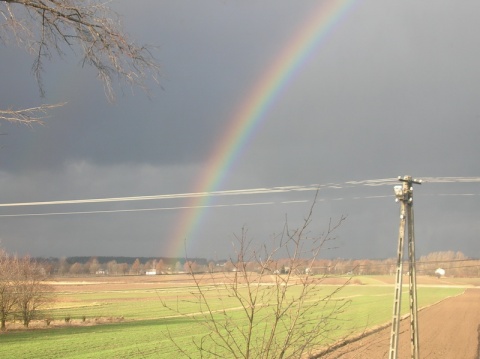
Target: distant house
151, 272
440, 272
101, 272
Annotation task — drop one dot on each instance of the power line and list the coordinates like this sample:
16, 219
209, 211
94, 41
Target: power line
141, 209
238, 192
191, 207
248, 191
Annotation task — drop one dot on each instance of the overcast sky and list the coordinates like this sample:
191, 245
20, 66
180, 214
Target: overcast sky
392, 89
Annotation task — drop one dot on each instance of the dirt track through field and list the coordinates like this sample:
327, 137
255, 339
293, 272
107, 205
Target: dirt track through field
449, 329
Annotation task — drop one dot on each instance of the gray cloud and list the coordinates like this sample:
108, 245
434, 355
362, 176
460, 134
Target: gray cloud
392, 90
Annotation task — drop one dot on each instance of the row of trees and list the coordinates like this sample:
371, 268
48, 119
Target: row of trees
455, 263
23, 290
93, 266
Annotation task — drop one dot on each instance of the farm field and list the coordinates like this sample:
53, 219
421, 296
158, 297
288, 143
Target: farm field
123, 317
449, 329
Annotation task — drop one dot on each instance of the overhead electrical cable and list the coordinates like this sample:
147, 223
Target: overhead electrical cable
238, 192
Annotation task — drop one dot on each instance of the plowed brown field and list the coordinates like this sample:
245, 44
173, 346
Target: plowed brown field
449, 329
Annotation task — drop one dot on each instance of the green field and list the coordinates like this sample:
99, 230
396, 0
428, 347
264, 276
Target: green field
131, 322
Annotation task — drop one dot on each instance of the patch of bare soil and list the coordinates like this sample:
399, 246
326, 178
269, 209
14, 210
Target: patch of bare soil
449, 329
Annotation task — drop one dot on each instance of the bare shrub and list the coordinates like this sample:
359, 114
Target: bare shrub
269, 305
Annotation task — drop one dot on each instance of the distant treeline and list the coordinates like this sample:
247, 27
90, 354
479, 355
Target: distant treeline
455, 264
118, 265
130, 260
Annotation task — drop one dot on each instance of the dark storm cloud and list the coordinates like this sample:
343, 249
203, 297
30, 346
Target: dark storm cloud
392, 90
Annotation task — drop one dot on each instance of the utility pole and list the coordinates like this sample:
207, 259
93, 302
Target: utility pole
404, 195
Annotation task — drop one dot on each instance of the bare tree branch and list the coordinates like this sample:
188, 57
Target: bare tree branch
87, 27
28, 116
44, 27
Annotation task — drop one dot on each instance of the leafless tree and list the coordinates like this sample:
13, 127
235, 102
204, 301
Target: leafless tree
8, 297
112, 267
77, 268
160, 266
62, 266
278, 312
46, 28
32, 291
93, 265
22, 288
136, 267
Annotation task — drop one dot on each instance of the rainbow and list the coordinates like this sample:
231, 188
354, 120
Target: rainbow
251, 113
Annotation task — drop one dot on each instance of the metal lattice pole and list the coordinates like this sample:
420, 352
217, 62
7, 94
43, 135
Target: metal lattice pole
404, 195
